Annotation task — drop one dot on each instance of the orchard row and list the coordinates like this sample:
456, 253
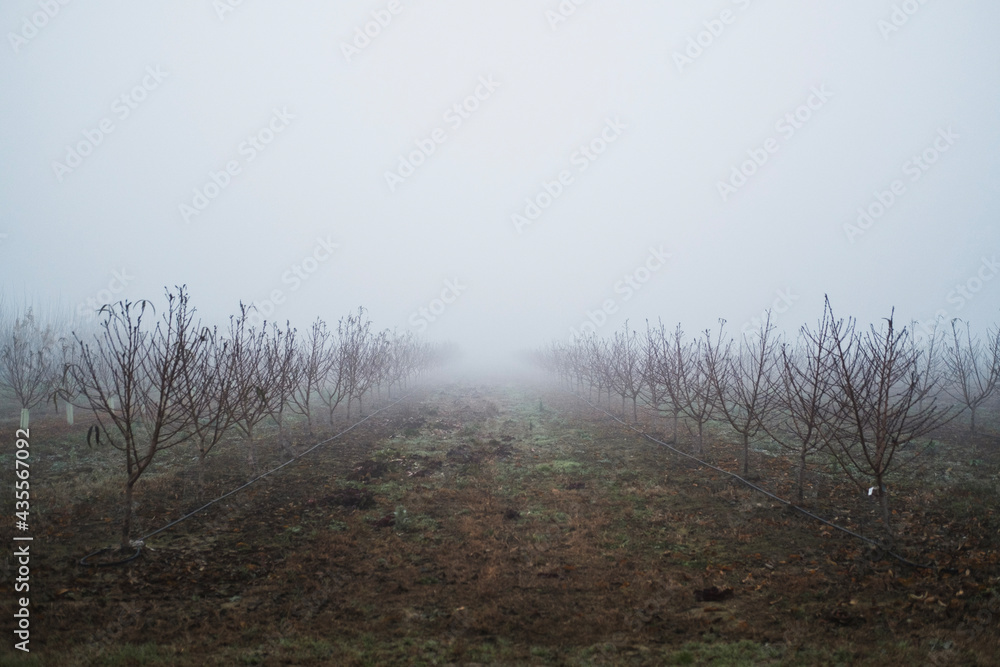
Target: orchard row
154, 379
857, 395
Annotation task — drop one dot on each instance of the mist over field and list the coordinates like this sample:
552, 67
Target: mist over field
503, 175
558, 332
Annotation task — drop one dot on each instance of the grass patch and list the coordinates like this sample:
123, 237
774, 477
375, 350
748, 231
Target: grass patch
559, 467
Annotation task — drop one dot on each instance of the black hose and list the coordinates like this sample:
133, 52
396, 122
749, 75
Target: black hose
767, 493
83, 561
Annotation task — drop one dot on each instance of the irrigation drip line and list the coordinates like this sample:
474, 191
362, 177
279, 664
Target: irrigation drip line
127, 559
140, 542
767, 493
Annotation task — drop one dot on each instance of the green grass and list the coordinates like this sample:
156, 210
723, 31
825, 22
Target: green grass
559, 467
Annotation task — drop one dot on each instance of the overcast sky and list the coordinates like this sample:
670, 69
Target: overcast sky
515, 168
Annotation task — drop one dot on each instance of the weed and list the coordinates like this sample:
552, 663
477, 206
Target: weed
403, 522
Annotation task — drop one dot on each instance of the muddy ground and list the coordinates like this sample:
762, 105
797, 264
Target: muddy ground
475, 524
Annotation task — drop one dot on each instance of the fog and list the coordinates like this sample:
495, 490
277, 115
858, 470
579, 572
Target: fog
505, 174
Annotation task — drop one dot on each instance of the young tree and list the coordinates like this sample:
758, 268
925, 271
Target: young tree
742, 381
973, 369
314, 359
28, 360
930, 347
598, 364
672, 357
804, 394
333, 389
132, 377
690, 383
371, 366
252, 376
403, 360
652, 372
206, 392
879, 397
353, 333
283, 372
701, 402
626, 361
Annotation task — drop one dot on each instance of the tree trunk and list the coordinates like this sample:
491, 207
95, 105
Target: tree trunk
202, 454
883, 501
802, 472
281, 437
746, 454
251, 452
127, 519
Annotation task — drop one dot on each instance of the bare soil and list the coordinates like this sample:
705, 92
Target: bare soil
503, 525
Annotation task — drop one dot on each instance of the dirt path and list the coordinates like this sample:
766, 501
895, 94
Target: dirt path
500, 524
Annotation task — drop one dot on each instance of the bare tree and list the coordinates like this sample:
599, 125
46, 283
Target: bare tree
652, 372
131, 378
28, 360
879, 397
314, 359
672, 357
371, 365
598, 365
743, 381
973, 369
403, 360
280, 360
803, 392
626, 360
695, 393
353, 333
206, 392
251, 378
333, 389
